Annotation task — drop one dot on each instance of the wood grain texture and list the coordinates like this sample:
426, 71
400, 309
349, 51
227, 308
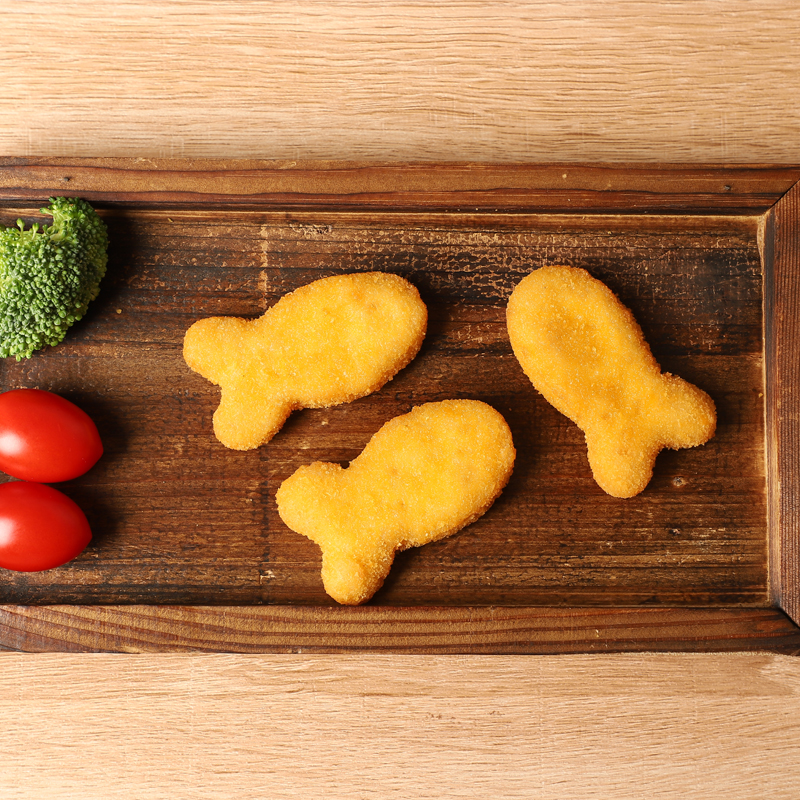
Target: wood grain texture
528, 81
298, 629
782, 291
180, 520
549, 728
505, 81
289, 185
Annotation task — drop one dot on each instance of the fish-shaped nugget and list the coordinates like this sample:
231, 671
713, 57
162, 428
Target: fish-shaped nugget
584, 351
422, 477
329, 342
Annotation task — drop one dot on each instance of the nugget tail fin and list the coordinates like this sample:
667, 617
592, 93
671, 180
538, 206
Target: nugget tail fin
244, 421
621, 464
693, 414
313, 502
352, 580
622, 457
210, 346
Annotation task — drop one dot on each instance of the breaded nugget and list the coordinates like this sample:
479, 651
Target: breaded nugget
329, 342
584, 351
422, 477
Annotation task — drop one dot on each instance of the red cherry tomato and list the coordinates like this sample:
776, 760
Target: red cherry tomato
40, 528
45, 438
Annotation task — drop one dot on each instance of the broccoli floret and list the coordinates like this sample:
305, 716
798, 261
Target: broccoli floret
48, 277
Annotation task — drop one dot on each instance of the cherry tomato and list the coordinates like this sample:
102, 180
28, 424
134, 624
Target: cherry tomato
45, 438
40, 528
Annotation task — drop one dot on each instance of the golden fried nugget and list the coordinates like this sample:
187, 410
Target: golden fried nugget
329, 342
584, 351
422, 477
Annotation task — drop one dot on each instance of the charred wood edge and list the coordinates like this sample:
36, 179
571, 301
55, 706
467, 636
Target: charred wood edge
771, 191
296, 629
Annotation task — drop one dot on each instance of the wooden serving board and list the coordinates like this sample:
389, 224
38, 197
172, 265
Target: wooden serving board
189, 552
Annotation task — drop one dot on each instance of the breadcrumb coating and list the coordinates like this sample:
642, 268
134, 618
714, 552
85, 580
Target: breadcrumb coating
422, 477
329, 342
583, 350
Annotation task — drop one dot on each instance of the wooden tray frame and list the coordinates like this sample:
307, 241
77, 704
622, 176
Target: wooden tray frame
769, 193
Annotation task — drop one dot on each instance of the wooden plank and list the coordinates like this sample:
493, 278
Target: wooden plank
295, 629
520, 187
782, 290
180, 520
521, 80
398, 726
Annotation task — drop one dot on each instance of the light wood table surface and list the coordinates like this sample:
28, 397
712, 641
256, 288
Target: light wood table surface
485, 81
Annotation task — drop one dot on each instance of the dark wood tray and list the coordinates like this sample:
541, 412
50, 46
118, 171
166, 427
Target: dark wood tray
189, 552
